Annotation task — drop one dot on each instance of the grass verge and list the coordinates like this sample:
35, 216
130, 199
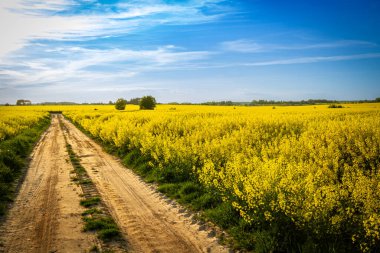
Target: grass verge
14, 154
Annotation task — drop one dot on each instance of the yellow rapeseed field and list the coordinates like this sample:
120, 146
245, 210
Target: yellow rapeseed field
314, 167
16, 118
310, 168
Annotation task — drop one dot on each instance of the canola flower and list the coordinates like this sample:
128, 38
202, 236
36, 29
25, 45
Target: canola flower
309, 168
17, 118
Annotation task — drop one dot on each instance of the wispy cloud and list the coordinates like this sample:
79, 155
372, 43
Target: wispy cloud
68, 63
314, 59
250, 46
291, 61
24, 21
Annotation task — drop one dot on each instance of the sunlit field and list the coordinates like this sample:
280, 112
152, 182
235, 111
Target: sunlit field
300, 175
297, 176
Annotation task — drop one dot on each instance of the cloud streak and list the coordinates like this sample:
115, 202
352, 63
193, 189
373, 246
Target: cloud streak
250, 46
314, 59
76, 63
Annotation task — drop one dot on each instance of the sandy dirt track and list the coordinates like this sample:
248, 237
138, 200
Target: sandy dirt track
150, 222
46, 215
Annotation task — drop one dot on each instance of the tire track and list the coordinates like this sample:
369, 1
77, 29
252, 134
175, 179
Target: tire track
46, 215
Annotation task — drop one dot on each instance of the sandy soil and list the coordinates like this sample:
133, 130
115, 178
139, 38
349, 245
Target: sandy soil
149, 221
46, 215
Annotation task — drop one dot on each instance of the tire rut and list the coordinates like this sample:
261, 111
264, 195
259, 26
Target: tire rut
46, 215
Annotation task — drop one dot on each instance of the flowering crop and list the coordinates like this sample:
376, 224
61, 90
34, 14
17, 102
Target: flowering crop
311, 168
14, 119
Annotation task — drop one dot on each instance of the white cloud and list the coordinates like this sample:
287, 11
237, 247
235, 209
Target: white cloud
242, 46
298, 60
250, 46
25, 21
314, 59
17, 29
67, 63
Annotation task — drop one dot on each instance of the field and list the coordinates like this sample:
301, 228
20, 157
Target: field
19, 130
301, 178
300, 174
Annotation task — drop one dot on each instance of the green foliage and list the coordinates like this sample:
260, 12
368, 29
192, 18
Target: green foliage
224, 215
190, 191
13, 154
97, 223
335, 106
108, 233
91, 211
206, 201
23, 102
134, 101
120, 104
90, 201
147, 103
105, 226
94, 218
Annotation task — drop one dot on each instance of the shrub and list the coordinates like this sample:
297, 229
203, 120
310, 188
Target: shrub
120, 104
147, 103
335, 106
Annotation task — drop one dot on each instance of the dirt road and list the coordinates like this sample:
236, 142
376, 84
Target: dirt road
150, 222
46, 215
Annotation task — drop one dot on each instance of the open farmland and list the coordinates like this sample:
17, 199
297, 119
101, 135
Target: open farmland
48, 215
301, 178
296, 176
189, 126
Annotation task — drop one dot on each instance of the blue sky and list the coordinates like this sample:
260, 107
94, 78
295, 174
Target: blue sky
189, 50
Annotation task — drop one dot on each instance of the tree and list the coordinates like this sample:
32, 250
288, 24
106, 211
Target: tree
120, 104
377, 99
23, 102
147, 103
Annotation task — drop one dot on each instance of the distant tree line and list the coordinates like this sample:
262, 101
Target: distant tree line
137, 101
274, 102
134, 101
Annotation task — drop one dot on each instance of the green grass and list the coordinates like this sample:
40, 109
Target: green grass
105, 227
108, 233
89, 202
13, 159
85, 181
94, 218
91, 211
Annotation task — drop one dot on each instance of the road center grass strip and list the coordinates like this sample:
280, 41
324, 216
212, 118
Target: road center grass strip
96, 218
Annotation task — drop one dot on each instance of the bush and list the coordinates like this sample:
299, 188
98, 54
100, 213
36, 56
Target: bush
120, 104
147, 103
335, 106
